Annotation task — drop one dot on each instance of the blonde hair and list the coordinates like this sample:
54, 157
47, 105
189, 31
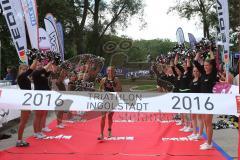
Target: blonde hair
21, 67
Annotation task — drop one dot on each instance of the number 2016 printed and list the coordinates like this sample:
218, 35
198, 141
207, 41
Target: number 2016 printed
187, 103
37, 99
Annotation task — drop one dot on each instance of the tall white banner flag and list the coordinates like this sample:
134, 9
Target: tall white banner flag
180, 36
51, 29
223, 18
44, 43
12, 11
31, 19
61, 38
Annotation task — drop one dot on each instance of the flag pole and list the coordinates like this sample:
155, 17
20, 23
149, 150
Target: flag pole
239, 93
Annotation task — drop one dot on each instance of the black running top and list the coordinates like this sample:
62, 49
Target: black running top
109, 85
23, 80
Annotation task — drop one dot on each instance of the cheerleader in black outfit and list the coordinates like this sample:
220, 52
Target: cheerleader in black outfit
195, 87
208, 80
185, 80
24, 83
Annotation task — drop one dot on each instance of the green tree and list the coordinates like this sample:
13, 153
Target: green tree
73, 15
201, 8
107, 16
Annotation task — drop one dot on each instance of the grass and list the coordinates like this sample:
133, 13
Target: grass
143, 84
145, 87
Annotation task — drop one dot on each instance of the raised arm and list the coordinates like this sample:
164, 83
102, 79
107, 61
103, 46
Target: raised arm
176, 59
197, 64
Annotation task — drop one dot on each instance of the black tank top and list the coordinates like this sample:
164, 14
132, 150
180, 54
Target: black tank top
109, 84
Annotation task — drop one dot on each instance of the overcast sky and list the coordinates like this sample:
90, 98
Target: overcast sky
160, 24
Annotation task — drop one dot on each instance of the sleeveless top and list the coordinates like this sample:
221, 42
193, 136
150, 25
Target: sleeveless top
109, 84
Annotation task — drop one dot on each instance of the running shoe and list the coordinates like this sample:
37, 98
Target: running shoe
40, 135
205, 143
22, 143
192, 135
35, 135
206, 147
46, 129
179, 123
61, 126
195, 137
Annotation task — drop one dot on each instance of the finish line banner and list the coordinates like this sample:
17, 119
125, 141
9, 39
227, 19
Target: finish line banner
196, 103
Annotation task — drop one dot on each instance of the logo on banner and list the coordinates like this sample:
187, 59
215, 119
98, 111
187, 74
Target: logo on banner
31, 13
42, 39
53, 40
221, 21
14, 28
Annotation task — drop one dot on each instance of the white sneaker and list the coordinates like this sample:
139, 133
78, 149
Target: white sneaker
191, 136
197, 137
46, 129
35, 135
188, 129
203, 144
179, 123
40, 135
182, 129
206, 147
61, 126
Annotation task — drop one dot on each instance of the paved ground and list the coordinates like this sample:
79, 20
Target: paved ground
227, 139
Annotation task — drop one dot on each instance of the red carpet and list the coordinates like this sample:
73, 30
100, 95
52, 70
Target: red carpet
132, 140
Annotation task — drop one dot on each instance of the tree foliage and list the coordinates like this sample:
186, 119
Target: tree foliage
85, 23
206, 10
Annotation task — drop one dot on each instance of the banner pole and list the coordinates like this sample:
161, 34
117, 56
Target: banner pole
239, 93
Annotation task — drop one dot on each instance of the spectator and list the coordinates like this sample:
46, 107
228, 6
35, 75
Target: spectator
11, 75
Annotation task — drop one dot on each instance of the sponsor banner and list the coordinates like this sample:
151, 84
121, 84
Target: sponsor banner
6, 114
180, 36
120, 102
61, 39
13, 13
31, 19
223, 19
44, 43
192, 40
51, 29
